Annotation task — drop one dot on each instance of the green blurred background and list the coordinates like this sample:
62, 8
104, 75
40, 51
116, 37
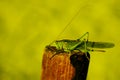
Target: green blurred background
26, 26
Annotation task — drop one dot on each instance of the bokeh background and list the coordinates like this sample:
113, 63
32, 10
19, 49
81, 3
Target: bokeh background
27, 26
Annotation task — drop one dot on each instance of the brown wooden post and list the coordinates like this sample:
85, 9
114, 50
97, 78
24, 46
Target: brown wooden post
64, 66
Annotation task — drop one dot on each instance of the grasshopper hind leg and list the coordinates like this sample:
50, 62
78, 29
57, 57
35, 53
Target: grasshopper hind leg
86, 50
86, 34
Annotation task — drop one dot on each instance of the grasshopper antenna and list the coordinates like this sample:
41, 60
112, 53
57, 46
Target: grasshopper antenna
68, 24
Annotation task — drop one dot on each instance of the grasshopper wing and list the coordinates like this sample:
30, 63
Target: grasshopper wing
99, 44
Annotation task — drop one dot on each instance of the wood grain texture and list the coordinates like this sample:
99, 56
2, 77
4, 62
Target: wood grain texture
58, 67
63, 65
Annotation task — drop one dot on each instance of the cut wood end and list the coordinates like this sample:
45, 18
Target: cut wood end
58, 67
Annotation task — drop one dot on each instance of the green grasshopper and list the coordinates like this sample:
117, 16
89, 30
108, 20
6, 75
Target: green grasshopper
80, 44
79, 52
